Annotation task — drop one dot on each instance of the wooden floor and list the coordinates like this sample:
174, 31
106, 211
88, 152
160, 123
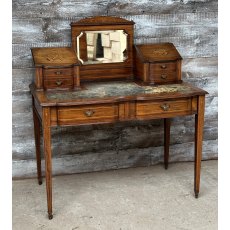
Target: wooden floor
126, 199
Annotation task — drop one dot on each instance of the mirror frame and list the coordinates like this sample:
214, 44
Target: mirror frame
101, 23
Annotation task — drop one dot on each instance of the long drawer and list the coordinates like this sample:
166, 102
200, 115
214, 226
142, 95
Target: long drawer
164, 108
87, 114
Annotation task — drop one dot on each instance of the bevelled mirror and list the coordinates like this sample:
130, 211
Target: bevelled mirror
107, 46
102, 43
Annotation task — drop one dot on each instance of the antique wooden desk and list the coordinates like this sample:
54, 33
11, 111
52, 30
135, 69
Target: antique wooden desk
120, 82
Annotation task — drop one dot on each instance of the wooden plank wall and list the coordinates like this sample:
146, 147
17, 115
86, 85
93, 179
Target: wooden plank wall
190, 24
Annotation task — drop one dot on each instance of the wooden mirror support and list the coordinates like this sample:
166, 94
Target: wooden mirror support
105, 71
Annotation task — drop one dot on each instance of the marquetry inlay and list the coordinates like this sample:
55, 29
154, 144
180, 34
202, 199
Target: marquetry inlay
161, 52
54, 55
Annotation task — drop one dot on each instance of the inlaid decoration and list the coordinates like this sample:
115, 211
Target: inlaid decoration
54, 55
160, 52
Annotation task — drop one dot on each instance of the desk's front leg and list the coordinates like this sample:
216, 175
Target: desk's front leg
199, 124
48, 157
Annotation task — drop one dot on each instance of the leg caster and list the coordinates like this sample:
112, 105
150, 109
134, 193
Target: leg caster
196, 194
166, 166
50, 216
40, 182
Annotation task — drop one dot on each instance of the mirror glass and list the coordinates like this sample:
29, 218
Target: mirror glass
95, 47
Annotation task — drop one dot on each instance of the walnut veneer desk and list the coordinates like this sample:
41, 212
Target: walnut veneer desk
71, 89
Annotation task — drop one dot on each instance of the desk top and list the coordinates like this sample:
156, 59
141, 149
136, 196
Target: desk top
103, 92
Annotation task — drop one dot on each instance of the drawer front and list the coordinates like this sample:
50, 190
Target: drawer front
164, 77
164, 107
87, 114
164, 66
58, 83
57, 72
163, 73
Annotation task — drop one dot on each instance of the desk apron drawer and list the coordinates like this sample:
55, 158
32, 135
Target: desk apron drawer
87, 114
164, 108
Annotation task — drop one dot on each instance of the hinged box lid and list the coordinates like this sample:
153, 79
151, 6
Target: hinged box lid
160, 52
54, 56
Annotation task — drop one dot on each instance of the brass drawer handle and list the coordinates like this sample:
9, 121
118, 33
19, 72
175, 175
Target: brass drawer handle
164, 76
89, 113
165, 107
58, 72
59, 83
163, 66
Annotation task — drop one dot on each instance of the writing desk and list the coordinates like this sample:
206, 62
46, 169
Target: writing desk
105, 78
113, 102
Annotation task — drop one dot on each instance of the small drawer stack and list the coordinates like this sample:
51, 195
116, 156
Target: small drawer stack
58, 78
56, 68
157, 63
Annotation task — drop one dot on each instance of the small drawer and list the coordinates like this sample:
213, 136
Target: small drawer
164, 66
58, 83
87, 114
168, 107
164, 77
57, 72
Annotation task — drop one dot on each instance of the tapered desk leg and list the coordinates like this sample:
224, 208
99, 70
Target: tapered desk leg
37, 144
199, 124
48, 157
167, 123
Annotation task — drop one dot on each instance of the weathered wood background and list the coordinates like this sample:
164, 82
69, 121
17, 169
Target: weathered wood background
190, 24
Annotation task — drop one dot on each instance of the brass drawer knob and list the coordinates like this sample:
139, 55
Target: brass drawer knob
165, 107
163, 76
58, 72
89, 113
59, 83
163, 66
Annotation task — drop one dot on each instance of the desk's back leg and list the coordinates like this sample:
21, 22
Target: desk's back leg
48, 157
199, 123
167, 123
37, 144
